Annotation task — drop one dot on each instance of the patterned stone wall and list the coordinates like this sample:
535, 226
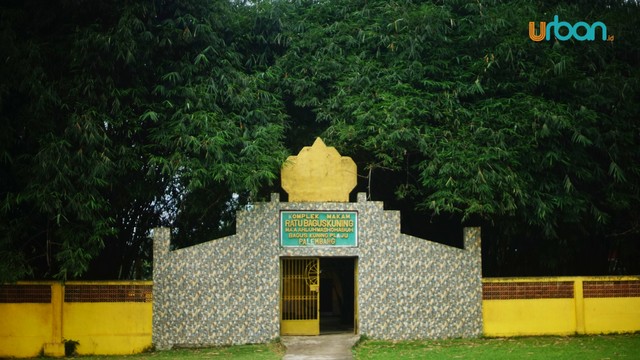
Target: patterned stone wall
226, 291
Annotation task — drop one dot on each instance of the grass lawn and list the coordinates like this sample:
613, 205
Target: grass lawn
543, 347
546, 347
270, 351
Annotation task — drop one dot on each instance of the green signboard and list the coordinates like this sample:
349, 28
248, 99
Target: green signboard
319, 228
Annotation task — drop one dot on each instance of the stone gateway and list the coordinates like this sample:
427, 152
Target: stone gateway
313, 265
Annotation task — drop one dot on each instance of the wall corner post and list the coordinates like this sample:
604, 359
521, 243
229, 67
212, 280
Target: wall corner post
55, 348
161, 248
578, 295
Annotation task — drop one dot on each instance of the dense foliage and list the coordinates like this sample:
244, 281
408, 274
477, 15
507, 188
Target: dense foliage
453, 104
121, 116
115, 117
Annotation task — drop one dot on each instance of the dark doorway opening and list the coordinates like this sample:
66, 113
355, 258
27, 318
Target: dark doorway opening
337, 294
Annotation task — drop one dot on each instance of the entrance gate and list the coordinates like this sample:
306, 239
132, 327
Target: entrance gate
318, 295
300, 302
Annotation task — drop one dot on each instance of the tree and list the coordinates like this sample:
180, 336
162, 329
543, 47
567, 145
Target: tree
455, 106
117, 117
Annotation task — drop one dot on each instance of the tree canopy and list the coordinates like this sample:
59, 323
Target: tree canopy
121, 116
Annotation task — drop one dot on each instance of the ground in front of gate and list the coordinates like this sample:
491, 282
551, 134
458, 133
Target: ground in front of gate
543, 347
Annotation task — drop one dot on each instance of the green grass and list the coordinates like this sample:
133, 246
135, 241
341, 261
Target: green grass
543, 347
261, 351
572, 347
546, 347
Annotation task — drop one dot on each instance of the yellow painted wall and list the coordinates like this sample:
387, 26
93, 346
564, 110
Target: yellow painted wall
607, 315
24, 328
108, 328
28, 329
578, 315
528, 317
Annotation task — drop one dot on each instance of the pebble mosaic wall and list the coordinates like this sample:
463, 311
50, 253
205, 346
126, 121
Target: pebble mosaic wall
226, 291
